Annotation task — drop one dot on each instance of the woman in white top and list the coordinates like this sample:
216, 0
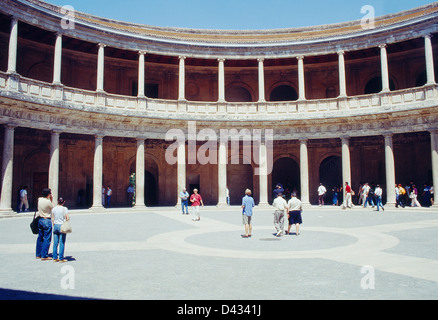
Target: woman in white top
59, 215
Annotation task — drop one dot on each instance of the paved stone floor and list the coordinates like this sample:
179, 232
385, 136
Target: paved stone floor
160, 254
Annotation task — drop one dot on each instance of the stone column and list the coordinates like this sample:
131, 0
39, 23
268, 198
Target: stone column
222, 173
97, 172
304, 172
54, 165
140, 174
7, 171
390, 169
181, 168
141, 72
261, 81
13, 42
346, 165
434, 149
100, 67
384, 66
342, 77
301, 79
182, 79
221, 80
429, 59
57, 60
263, 176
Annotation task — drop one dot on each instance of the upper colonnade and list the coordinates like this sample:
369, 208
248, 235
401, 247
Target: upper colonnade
268, 49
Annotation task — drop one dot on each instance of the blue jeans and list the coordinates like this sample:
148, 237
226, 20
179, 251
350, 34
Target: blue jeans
44, 238
379, 203
185, 204
58, 238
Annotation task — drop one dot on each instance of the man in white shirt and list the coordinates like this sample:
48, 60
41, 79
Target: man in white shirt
378, 193
23, 200
321, 192
294, 208
279, 205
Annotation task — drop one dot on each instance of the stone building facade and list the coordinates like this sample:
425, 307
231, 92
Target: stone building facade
85, 103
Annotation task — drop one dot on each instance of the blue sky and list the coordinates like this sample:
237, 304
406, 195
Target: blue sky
236, 14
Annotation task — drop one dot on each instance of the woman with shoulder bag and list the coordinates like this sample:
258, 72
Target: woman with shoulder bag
59, 216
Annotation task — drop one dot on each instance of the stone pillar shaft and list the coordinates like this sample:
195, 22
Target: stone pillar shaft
140, 174
57, 60
54, 165
13, 42
97, 172
7, 171
304, 172
221, 80
429, 60
390, 169
100, 67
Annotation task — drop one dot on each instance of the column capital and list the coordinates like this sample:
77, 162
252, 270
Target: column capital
382, 46
182, 57
340, 52
55, 132
142, 52
428, 36
345, 138
387, 134
260, 59
303, 139
101, 45
300, 57
221, 59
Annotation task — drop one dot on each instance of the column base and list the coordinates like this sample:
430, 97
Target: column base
97, 209
222, 205
139, 207
7, 212
264, 205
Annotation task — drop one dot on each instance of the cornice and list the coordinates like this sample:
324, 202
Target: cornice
240, 44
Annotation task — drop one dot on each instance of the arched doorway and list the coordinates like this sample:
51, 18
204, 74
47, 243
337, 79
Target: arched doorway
150, 190
239, 178
287, 172
330, 175
375, 85
283, 93
238, 93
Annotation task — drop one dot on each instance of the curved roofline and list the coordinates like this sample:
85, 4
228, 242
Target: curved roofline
245, 36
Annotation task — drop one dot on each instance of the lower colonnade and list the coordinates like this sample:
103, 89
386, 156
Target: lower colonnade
77, 166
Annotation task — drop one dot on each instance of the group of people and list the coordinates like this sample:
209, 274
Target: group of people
371, 194
292, 208
51, 218
196, 201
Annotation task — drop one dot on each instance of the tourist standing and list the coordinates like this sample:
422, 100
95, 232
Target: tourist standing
196, 201
378, 194
294, 208
44, 239
247, 206
59, 215
130, 192
184, 196
228, 195
109, 193
279, 205
24, 200
413, 195
321, 193
347, 201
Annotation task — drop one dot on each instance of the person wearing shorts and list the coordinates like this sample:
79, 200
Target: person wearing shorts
247, 205
294, 209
